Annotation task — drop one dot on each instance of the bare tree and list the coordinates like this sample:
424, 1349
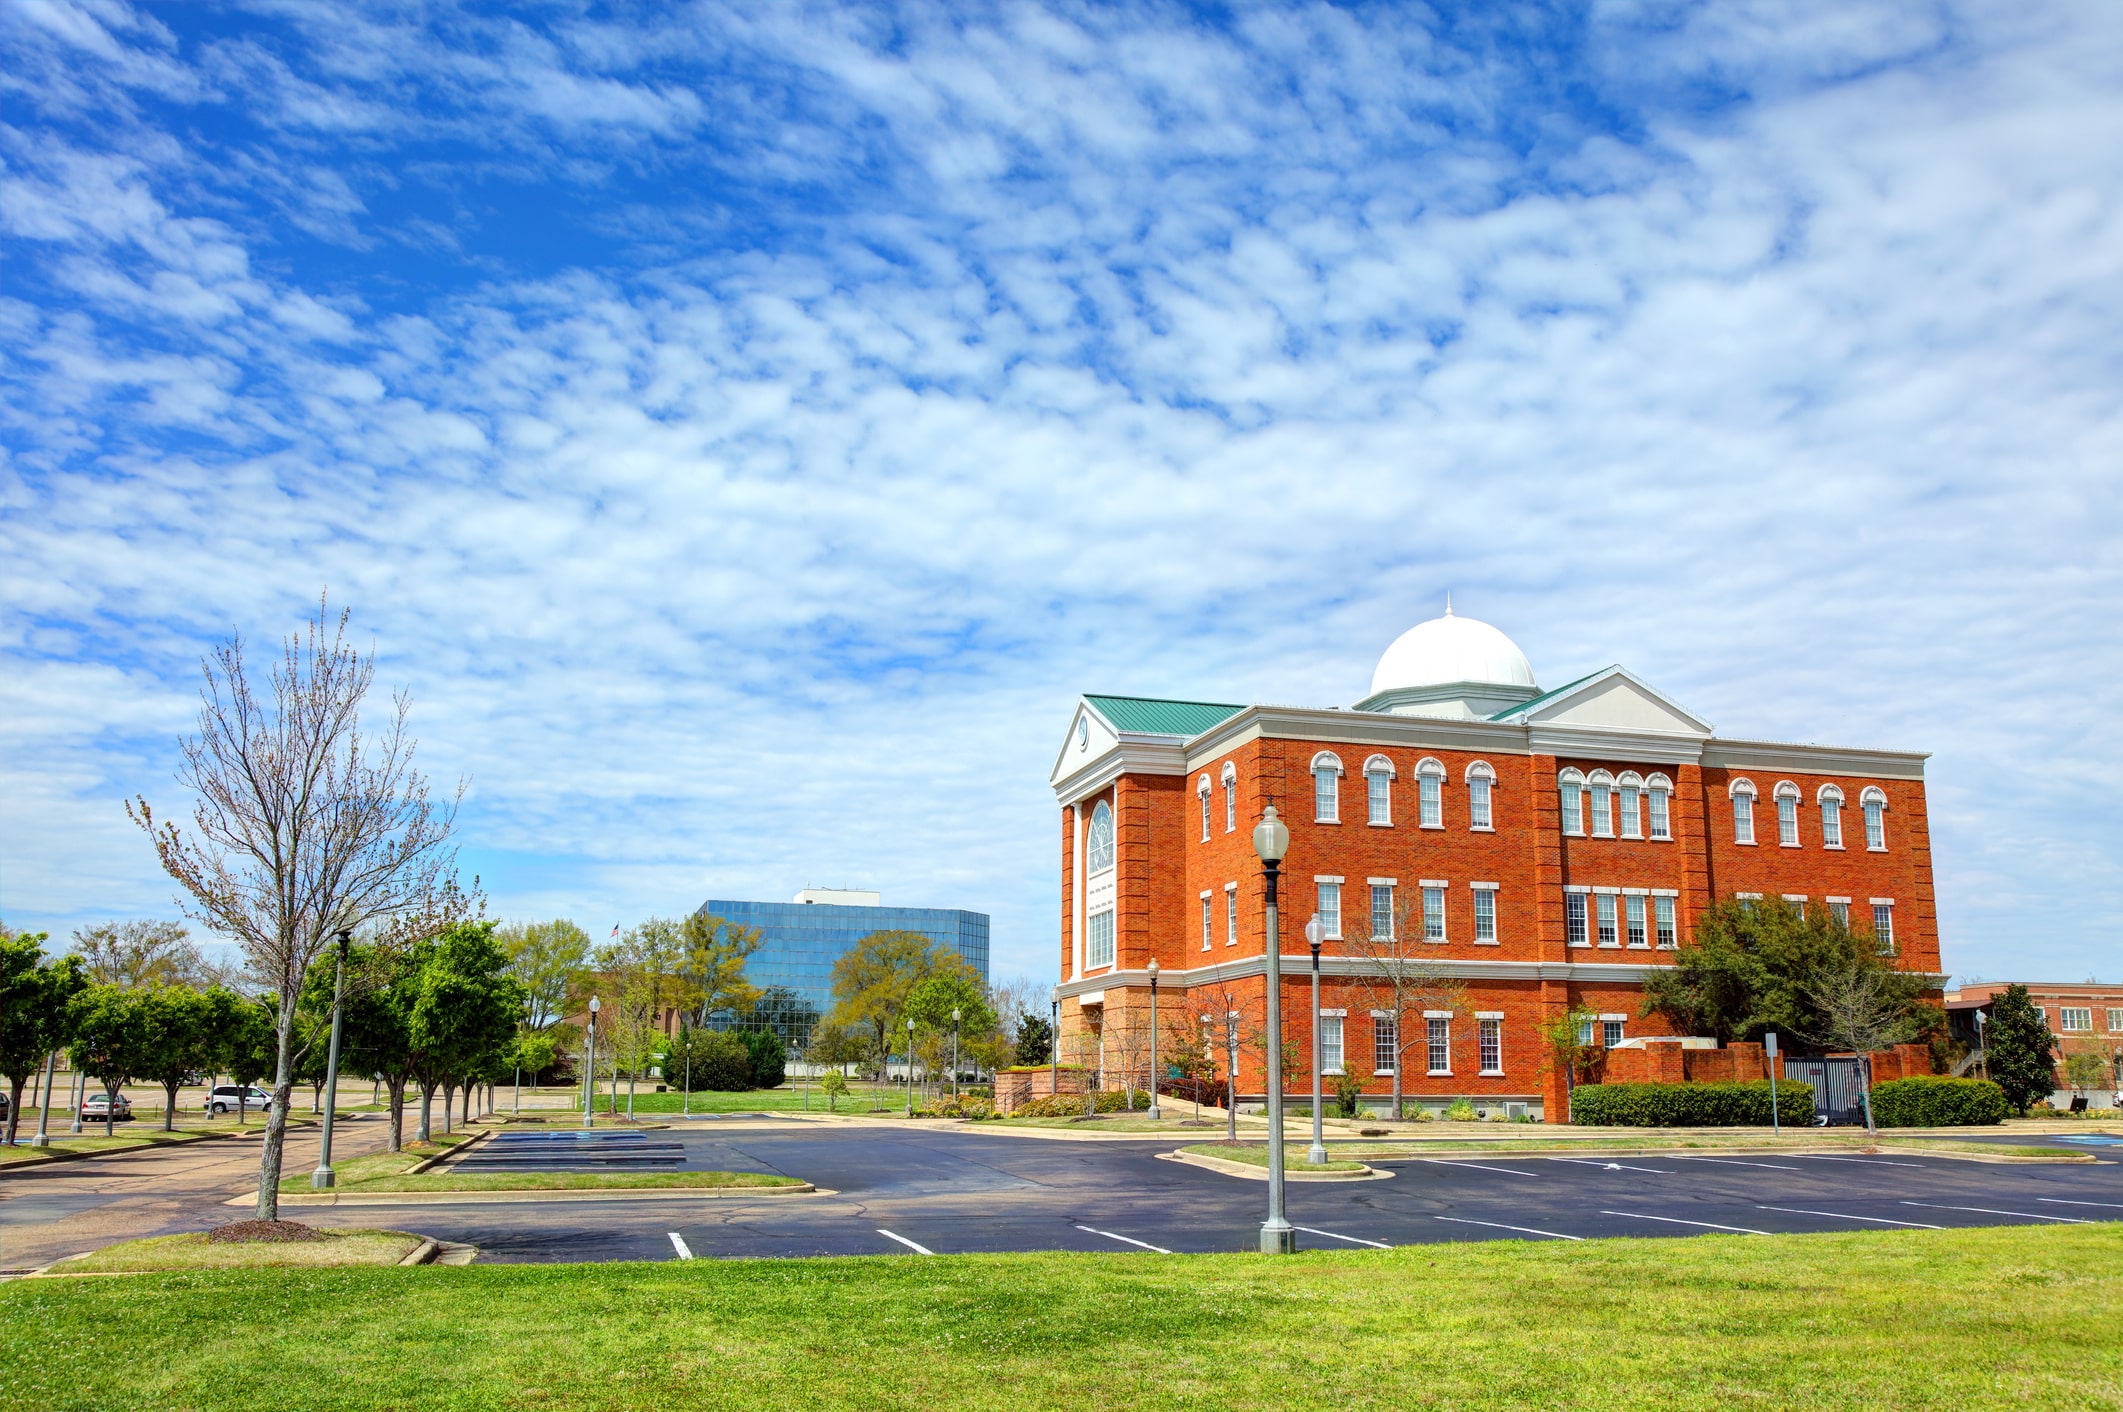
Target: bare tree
1863, 1010
1401, 976
304, 827
140, 953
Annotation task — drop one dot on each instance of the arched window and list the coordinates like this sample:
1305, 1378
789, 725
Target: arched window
1202, 788
1230, 796
1787, 796
1830, 799
1378, 790
1098, 843
1430, 793
1602, 785
1326, 788
1660, 790
1874, 802
1481, 786
1742, 792
1571, 786
1631, 789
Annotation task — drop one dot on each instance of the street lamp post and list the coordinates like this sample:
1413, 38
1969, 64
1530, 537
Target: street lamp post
323, 1178
1315, 933
954, 1053
80, 1093
1155, 1112
1271, 840
44, 1115
1231, 1076
910, 1066
589, 1067
1054, 1043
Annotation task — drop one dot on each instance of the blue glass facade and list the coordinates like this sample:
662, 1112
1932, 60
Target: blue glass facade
800, 941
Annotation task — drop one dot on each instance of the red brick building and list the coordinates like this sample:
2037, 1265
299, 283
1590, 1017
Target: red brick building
1546, 849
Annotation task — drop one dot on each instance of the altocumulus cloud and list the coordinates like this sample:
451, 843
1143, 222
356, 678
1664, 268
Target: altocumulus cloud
744, 431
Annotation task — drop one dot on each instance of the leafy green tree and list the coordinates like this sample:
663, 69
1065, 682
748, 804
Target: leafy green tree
249, 1048
834, 1085
463, 1011
769, 1058
713, 954
112, 1038
376, 1030
950, 988
1035, 1038
715, 1060
34, 993
873, 980
181, 1033
533, 1055
545, 958
2023, 1053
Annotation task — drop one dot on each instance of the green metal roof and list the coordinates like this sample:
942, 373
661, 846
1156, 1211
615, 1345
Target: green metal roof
1148, 716
1525, 706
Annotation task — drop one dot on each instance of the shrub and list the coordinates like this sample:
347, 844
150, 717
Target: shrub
1938, 1103
1348, 1095
834, 1084
770, 1058
720, 1062
1721, 1105
1070, 1105
964, 1106
1461, 1110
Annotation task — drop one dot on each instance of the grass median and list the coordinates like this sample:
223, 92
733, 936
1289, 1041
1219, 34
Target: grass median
1919, 1321
192, 1251
1255, 1154
391, 1172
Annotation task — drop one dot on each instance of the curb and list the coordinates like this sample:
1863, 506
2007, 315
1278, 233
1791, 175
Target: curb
190, 1140
422, 1253
1247, 1170
527, 1198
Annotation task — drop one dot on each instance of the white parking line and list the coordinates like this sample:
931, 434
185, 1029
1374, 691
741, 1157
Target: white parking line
1615, 1166
1677, 1221
1735, 1162
1500, 1226
2060, 1201
678, 1243
915, 1246
1453, 1162
1867, 1161
1129, 1240
1353, 1240
1845, 1216
1993, 1211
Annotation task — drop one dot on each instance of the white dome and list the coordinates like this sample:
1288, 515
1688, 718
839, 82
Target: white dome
1449, 650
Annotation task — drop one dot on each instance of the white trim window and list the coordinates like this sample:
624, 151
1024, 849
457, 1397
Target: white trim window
1430, 794
1481, 791
1839, 909
1230, 797
1485, 916
1330, 1044
1610, 927
1378, 792
2072, 1019
1662, 909
1633, 919
1742, 792
1098, 843
1330, 908
1611, 1032
1570, 785
1203, 789
1660, 790
1830, 799
1326, 788
1438, 1042
1631, 787
1382, 911
1231, 914
1883, 924
1208, 919
1098, 940
1787, 796
1588, 1032
1874, 801
1602, 804
2115, 1020
1492, 1045
1574, 919
1433, 913
1385, 1043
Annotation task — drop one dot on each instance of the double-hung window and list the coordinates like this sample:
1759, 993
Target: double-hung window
1378, 791
2115, 1021
1631, 790
1385, 1043
1883, 926
1831, 816
1492, 1046
1208, 917
1788, 815
1330, 907
1839, 908
2070, 1018
1480, 784
1430, 794
1382, 911
1572, 791
1609, 930
1485, 916
1633, 910
1203, 791
1743, 814
1433, 913
1587, 1032
1326, 790
1602, 810
1875, 802
1230, 799
1662, 910
1330, 1044
1574, 918
1440, 1045
1661, 820
1231, 914
1098, 940
1611, 1032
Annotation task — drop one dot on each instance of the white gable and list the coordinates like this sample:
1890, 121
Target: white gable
1614, 700
1089, 738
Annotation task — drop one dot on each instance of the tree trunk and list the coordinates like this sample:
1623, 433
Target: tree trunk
449, 1104
110, 1108
274, 1145
397, 1115
427, 1099
14, 1108
169, 1109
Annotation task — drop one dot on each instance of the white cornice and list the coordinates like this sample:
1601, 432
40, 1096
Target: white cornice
1134, 755
1298, 967
1769, 755
1608, 743
1354, 728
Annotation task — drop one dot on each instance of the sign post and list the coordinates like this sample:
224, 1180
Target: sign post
1769, 1047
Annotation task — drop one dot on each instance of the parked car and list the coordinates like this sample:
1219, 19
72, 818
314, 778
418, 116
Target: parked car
120, 1108
229, 1098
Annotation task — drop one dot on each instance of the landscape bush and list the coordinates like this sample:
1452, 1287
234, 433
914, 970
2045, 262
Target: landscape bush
1461, 1110
1713, 1105
1935, 1102
1071, 1105
769, 1057
964, 1106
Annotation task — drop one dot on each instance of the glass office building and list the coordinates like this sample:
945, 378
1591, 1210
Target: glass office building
799, 942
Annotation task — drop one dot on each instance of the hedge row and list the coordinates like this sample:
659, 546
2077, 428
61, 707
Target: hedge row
1738, 1105
1934, 1102
1071, 1105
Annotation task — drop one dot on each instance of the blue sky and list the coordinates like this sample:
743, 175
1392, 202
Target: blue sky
745, 430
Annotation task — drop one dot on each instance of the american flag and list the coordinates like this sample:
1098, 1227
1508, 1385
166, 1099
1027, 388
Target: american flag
615, 929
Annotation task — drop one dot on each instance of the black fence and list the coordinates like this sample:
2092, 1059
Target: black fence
1838, 1088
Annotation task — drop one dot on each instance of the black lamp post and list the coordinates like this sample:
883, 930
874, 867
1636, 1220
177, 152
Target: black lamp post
1315, 933
589, 1067
1155, 1113
1271, 840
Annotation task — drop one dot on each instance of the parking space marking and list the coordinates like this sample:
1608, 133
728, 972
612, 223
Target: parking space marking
1500, 1226
1993, 1211
1867, 1161
1129, 1240
916, 1246
1353, 1240
1452, 1162
2060, 1201
1846, 1216
1735, 1162
1615, 1166
678, 1243
1677, 1221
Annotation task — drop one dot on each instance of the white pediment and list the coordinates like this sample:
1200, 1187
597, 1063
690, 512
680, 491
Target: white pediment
1612, 700
1089, 739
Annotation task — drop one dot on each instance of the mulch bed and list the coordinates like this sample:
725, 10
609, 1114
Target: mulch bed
276, 1232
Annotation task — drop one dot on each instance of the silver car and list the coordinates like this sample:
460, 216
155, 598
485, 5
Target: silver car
230, 1098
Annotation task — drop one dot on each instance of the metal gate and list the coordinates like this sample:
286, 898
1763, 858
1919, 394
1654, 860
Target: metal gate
1838, 1088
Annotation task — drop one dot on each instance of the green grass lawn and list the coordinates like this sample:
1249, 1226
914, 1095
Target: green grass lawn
1916, 1321
1255, 1154
391, 1171
191, 1251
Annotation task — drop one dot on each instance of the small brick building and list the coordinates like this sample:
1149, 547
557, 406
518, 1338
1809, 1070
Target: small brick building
1538, 850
